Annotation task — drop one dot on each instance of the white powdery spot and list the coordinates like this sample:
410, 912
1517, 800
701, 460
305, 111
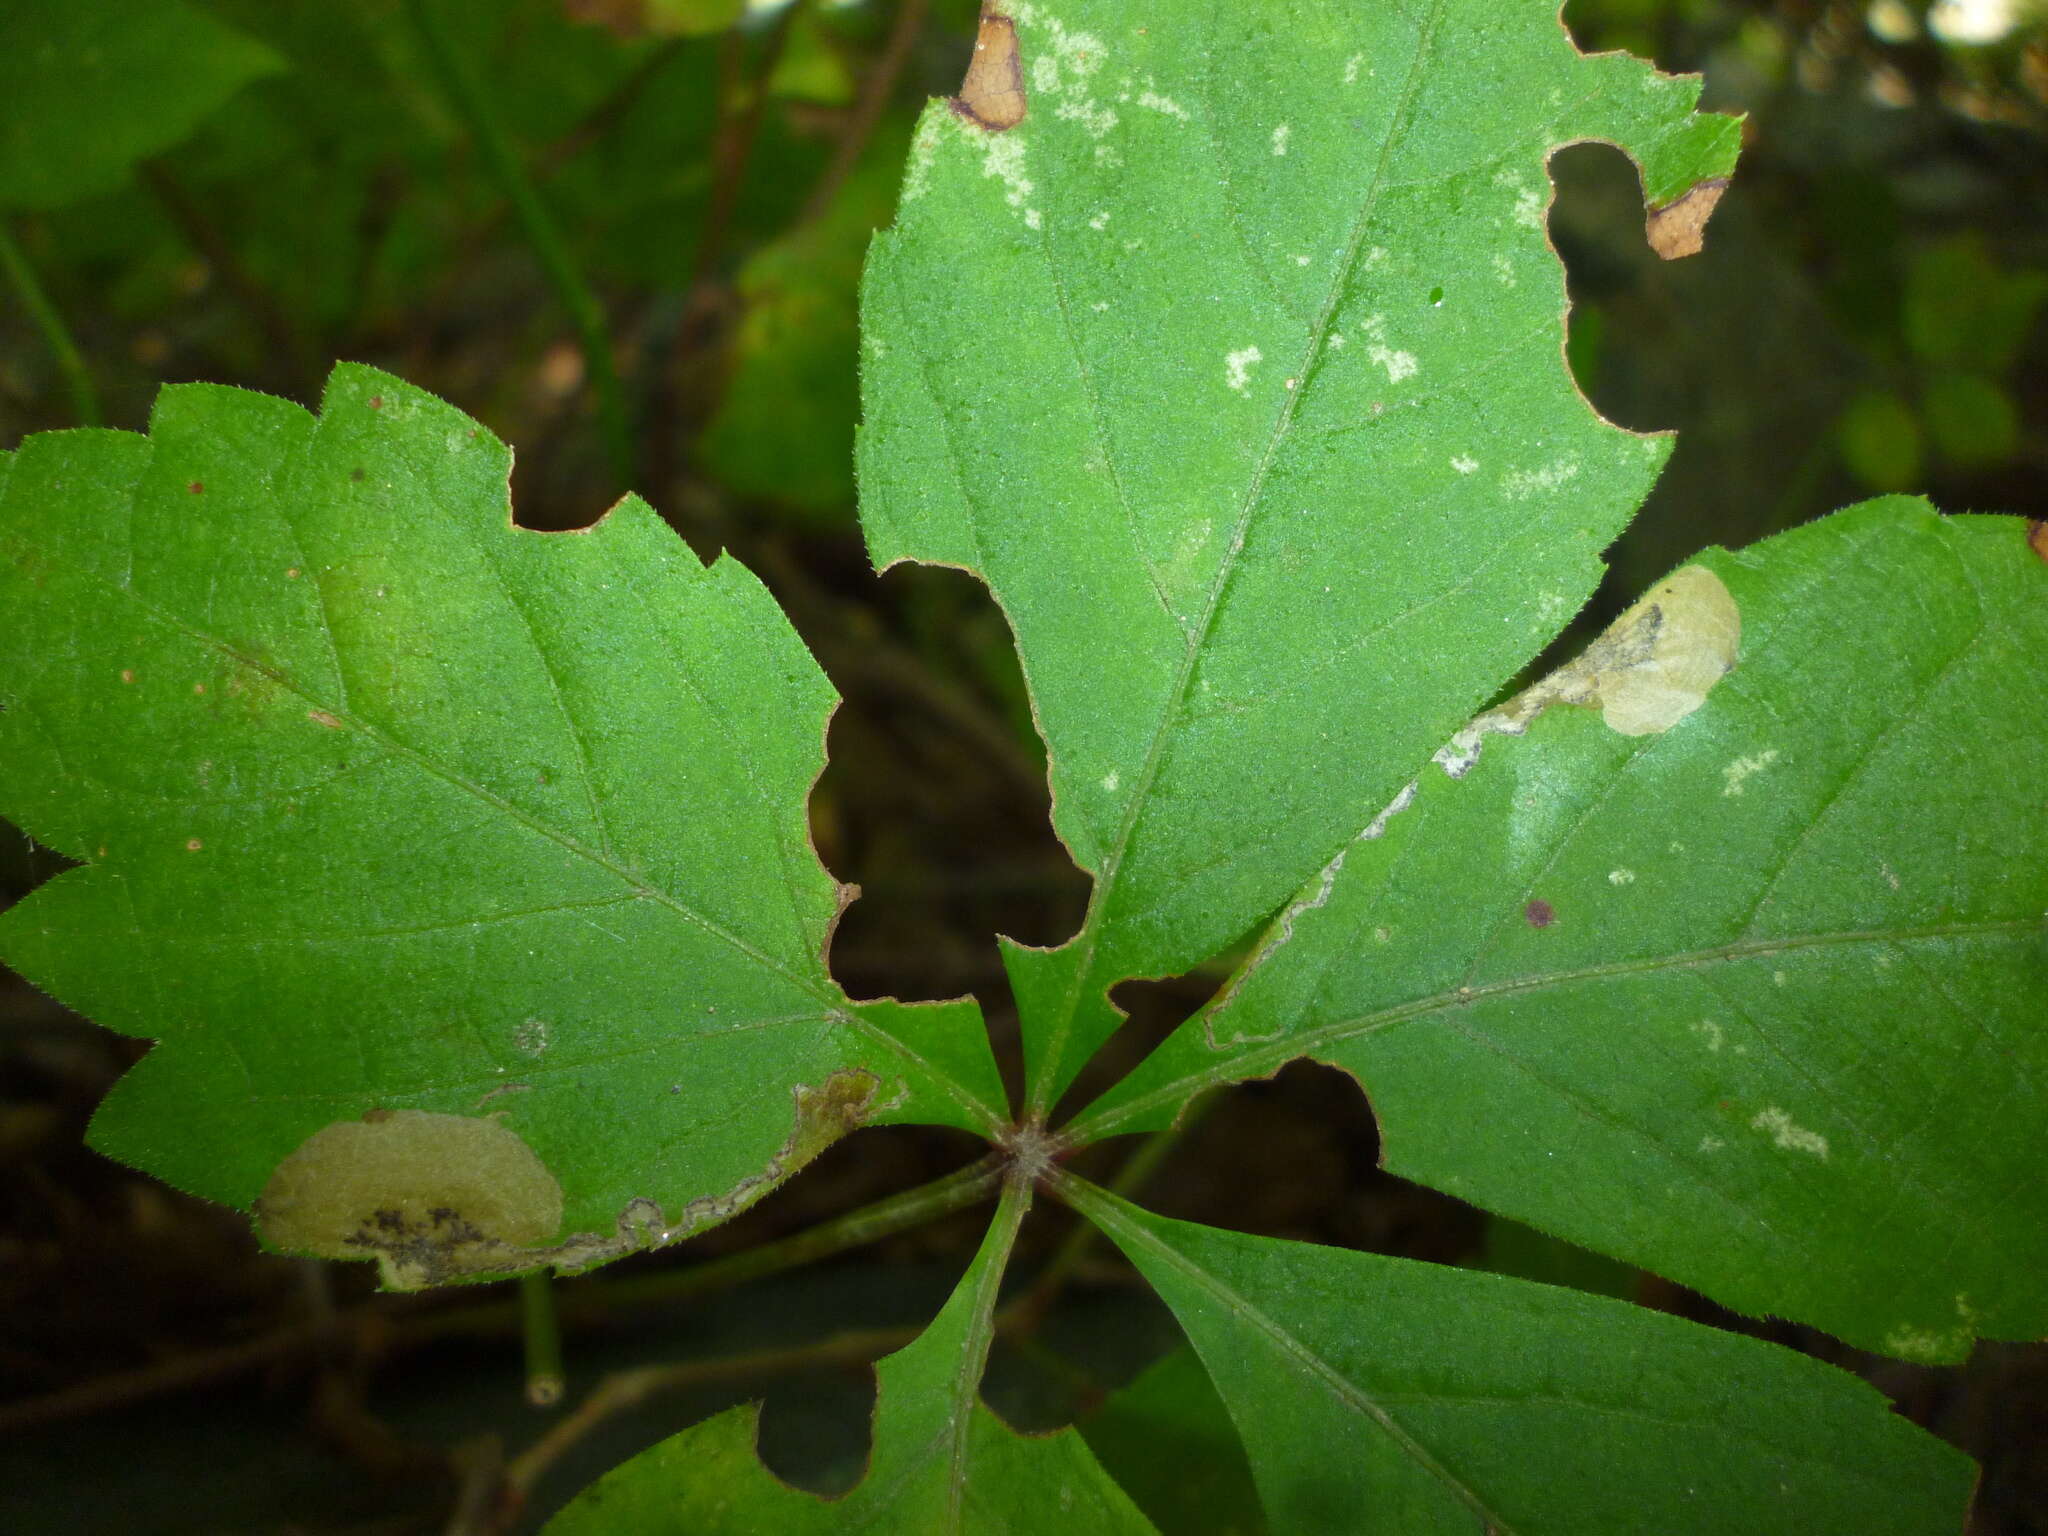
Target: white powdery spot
1352, 66
1735, 774
1099, 220
1002, 157
1521, 484
1528, 210
1709, 1033
1374, 257
1281, 135
1399, 365
1778, 978
1154, 102
1302, 261
1464, 463
1032, 220
1711, 1143
1788, 1136
1504, 269
1621, 877
1100, 306
1237, 368
1110, 781
1091, 115
1336, 339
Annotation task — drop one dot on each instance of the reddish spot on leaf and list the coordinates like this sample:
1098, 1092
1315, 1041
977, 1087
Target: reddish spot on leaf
376, 402
1540, 913
2037, 537
321, 717
355, 474
196, 487
193, 845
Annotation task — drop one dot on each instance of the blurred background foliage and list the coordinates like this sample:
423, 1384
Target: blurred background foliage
627, 234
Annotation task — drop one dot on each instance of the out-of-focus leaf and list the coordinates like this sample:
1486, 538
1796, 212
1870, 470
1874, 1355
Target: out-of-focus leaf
1168, 1440
1971, 420
1753, 1001
1378, 1394
92, 86
1963, 310
784, 430
1880, 440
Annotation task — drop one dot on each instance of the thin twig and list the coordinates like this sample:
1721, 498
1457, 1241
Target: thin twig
623, 1390
575, 293
21, 277
875, 92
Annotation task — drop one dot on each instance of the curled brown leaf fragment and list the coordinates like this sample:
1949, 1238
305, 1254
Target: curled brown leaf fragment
1679, 229
992, 94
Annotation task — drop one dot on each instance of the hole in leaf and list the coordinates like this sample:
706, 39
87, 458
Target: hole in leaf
934, 798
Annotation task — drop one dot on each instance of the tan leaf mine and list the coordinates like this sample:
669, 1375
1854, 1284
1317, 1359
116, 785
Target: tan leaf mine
1655, 665
1680, 228
428, 1196
439, 1198
992, 94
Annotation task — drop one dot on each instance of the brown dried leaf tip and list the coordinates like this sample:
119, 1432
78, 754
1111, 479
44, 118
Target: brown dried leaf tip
1678, 229
992, 95
2037, 537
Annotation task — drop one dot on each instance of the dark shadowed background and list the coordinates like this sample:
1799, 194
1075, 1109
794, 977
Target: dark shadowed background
1865, 318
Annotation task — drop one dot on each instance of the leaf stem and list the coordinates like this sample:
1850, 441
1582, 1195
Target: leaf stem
21, 277
542, 1327
868, 1224
503, 161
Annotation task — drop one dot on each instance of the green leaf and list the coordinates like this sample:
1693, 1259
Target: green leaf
389, 806
92, 86
784, 429
1249, 334
1378, 1394
1753, 1001
1168, 1439
942, 1463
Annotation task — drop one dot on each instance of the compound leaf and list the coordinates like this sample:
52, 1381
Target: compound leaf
1246, 398
425, 841
1382, 1394
1753, 1000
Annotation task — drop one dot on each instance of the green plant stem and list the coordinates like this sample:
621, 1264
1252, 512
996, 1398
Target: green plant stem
541, 233
545, 1380
870, 1223
21, 277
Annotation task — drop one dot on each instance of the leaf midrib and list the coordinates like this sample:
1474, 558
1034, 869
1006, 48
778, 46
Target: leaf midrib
1048, 1073
1265, 1057
1241, 1309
